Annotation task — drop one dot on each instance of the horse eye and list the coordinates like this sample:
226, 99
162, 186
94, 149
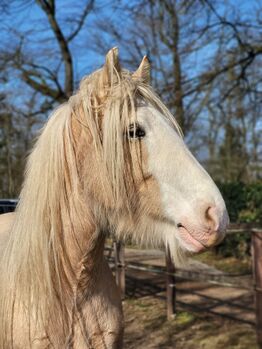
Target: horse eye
136, 131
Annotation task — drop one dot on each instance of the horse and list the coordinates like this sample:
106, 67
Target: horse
112, 158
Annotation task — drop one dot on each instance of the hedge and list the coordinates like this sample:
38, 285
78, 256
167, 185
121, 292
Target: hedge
243, 201
244, 205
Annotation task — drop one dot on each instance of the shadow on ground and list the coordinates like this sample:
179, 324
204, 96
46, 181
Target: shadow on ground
207, 316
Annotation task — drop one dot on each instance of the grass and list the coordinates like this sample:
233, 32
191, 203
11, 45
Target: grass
184, 319
148, 328
230, 265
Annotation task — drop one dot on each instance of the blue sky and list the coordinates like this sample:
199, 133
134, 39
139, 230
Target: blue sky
26, 17
33, 22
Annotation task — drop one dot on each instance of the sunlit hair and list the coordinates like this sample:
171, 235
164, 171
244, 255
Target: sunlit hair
36, 264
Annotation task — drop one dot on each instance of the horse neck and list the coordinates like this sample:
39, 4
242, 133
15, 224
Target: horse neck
91, 265
84, 245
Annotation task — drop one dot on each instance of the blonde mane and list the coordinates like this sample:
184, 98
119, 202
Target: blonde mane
53, 207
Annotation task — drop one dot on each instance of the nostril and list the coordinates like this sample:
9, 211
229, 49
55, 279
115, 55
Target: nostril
211, 217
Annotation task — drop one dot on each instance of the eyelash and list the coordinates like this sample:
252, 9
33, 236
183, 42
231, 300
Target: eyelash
135, 131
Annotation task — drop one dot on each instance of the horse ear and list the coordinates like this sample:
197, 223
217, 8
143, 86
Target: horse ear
111, 69
143, 71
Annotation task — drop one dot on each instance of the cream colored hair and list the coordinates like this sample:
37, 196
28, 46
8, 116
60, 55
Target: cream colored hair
36, 268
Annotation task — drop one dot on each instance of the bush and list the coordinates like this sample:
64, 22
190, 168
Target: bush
243, 201
235, 245
244, 205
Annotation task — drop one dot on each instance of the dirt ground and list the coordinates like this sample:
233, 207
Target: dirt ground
208, 316
148, 328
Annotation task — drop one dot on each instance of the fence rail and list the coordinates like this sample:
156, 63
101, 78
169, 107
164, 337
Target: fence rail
257, 272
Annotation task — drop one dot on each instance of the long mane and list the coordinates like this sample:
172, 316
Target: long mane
36, 271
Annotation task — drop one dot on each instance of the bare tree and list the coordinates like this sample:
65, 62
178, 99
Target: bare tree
44, 60
206, 59
204, 56
37, 63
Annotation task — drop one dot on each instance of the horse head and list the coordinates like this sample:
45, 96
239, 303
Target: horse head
141, 174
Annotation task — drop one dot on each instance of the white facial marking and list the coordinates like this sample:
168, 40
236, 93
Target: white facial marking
187, 191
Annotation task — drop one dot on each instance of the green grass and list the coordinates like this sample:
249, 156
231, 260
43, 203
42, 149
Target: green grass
184, 319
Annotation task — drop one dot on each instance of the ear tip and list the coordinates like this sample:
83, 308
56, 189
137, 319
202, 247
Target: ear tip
143, 71
146, 62
113, 51
111, 66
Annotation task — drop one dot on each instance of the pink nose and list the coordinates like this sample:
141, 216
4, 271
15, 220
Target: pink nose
212, 218
208, 228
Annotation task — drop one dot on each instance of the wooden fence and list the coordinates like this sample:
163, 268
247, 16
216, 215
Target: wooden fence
257, 274
170, 274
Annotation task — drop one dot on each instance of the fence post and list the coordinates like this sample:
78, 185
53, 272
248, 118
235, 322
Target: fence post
170, 286
257, 274
120, 267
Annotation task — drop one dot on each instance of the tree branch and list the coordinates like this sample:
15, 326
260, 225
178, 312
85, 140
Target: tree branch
89, 7
42, 87
49, 9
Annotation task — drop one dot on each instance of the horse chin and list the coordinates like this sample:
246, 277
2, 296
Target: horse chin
189, 242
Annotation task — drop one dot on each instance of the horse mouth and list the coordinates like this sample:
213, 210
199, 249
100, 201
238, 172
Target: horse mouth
191, 243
